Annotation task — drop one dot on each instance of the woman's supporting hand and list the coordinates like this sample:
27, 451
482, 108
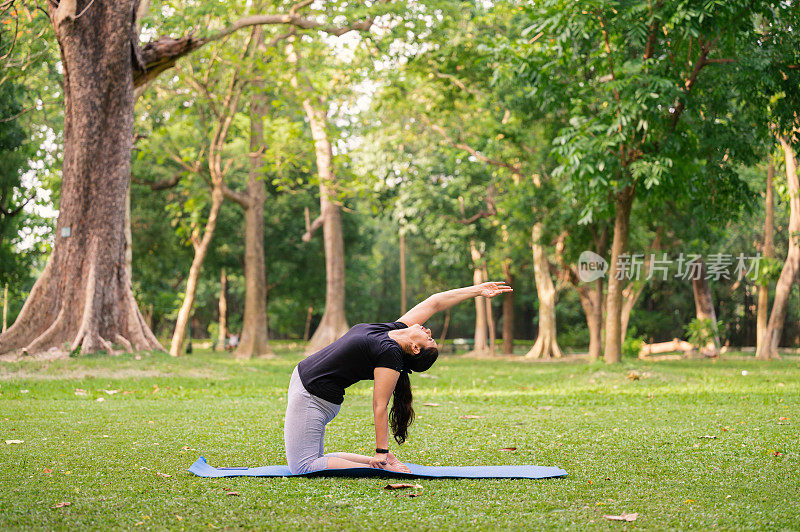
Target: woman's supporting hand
379, 461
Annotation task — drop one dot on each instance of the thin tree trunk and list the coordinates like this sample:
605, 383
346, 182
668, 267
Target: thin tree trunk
767, 252
591, 298
403, 300
222, 336
508, 311
200, 250
5, 307
490, 317
307, 330
217, 170
704, 308
444, 328
83, 299
480, 344
546, 344
333, 323
613, 347
791, 267
255, 341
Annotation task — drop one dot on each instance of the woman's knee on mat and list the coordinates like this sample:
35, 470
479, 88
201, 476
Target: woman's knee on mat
309, 465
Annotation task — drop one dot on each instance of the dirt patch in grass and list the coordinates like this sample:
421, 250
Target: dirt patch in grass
9, 372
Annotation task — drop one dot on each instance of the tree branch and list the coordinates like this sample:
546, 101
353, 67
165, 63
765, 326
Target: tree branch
490, 211
65, 10
311, 226
652, 32
702, 60
161, 54
455, 81
242, 199
515, 169
159, 185
10, 214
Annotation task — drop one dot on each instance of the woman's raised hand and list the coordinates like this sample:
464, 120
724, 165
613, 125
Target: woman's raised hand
492, 289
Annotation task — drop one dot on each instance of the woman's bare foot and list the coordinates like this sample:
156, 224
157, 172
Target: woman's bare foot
393, 464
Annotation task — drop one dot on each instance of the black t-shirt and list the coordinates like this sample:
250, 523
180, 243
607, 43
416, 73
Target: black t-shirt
350, 359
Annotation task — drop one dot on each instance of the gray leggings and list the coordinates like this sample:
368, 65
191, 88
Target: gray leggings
304, 428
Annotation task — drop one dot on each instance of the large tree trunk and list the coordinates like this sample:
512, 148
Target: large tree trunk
613, 347
546, 345
222, 335
769, 348
481, 344
333, 323
704, 308
255, 341
767, 252
508, 312
200, 251
403, 300
83, 299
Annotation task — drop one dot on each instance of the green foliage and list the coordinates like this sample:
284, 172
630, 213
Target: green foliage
633, 343
702, 332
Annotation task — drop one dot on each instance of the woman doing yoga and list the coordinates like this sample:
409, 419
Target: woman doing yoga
383, 352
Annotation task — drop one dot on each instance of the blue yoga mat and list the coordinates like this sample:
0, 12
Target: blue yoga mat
201, 468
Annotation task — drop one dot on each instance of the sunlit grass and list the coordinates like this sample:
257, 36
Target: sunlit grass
690, 444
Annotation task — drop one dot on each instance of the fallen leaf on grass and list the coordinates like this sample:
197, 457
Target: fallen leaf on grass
401, 486
100, 399
233, 493
47, 471
10, 442
471, 417
430, 404
111, 392
783, 419
708, 437
623, 517
634, 376
777, 453
61, 505
80, 391
508, 449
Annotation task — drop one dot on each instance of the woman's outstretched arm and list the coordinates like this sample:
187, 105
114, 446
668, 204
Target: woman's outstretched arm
444, 300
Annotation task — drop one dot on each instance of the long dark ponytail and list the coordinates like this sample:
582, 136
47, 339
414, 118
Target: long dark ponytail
402, 413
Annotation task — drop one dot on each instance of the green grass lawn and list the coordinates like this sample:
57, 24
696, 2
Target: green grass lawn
691, 444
